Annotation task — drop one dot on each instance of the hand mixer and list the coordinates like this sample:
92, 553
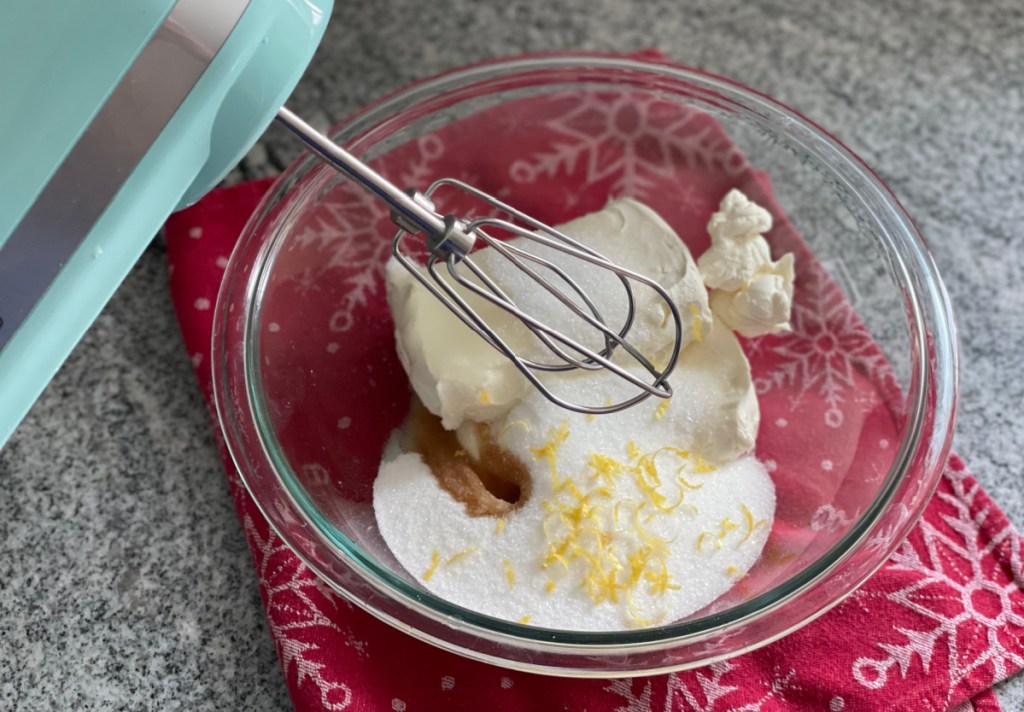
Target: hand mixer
450, 240
98, 153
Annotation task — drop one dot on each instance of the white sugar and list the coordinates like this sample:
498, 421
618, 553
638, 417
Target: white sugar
711, 539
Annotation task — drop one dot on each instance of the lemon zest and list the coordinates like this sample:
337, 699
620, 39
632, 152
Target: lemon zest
751, 524
645, 622
605, 467
687, 484
581, 527
657, 544
697, 335
510, 575
556, 555
615, 512
648, 480
700, 465
633, 450
659, 412
637, 563
523, 423
459, 555
633, 611
499, 527
524, 620
567, 485
549, 450
661, 581
724, 528
485, 397
435, 561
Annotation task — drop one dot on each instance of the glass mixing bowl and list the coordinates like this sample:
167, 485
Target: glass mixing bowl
857, 402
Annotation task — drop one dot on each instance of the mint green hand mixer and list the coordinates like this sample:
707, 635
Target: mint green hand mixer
118, 112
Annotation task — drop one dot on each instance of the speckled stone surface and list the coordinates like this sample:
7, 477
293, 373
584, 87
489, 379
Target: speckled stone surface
124, 578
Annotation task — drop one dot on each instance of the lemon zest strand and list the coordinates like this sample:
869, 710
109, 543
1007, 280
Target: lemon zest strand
435, 561
523, 423
697, 335
632, 450
701, 466
659, 412
633, 611
549, 450
459, 555
751, 524
724, 527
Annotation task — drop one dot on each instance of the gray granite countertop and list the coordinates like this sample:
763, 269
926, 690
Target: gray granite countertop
125, 582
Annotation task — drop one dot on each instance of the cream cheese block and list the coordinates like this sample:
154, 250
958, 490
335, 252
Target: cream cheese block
458, 376
751, 293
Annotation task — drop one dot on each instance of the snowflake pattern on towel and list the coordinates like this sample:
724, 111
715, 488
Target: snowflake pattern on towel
626, 143
968, 611
349, 239
303, 616
824, 353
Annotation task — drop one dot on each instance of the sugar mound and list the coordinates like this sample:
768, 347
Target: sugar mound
678, 544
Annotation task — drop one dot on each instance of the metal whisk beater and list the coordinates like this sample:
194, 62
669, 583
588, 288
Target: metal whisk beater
450, 239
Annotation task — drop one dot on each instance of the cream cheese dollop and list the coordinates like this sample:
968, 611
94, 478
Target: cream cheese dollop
456, 375
762, 305
459, 377
751, 293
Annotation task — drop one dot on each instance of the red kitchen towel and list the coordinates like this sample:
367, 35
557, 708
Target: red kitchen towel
934, 629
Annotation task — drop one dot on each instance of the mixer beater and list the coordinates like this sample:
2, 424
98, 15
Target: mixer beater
451, 240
